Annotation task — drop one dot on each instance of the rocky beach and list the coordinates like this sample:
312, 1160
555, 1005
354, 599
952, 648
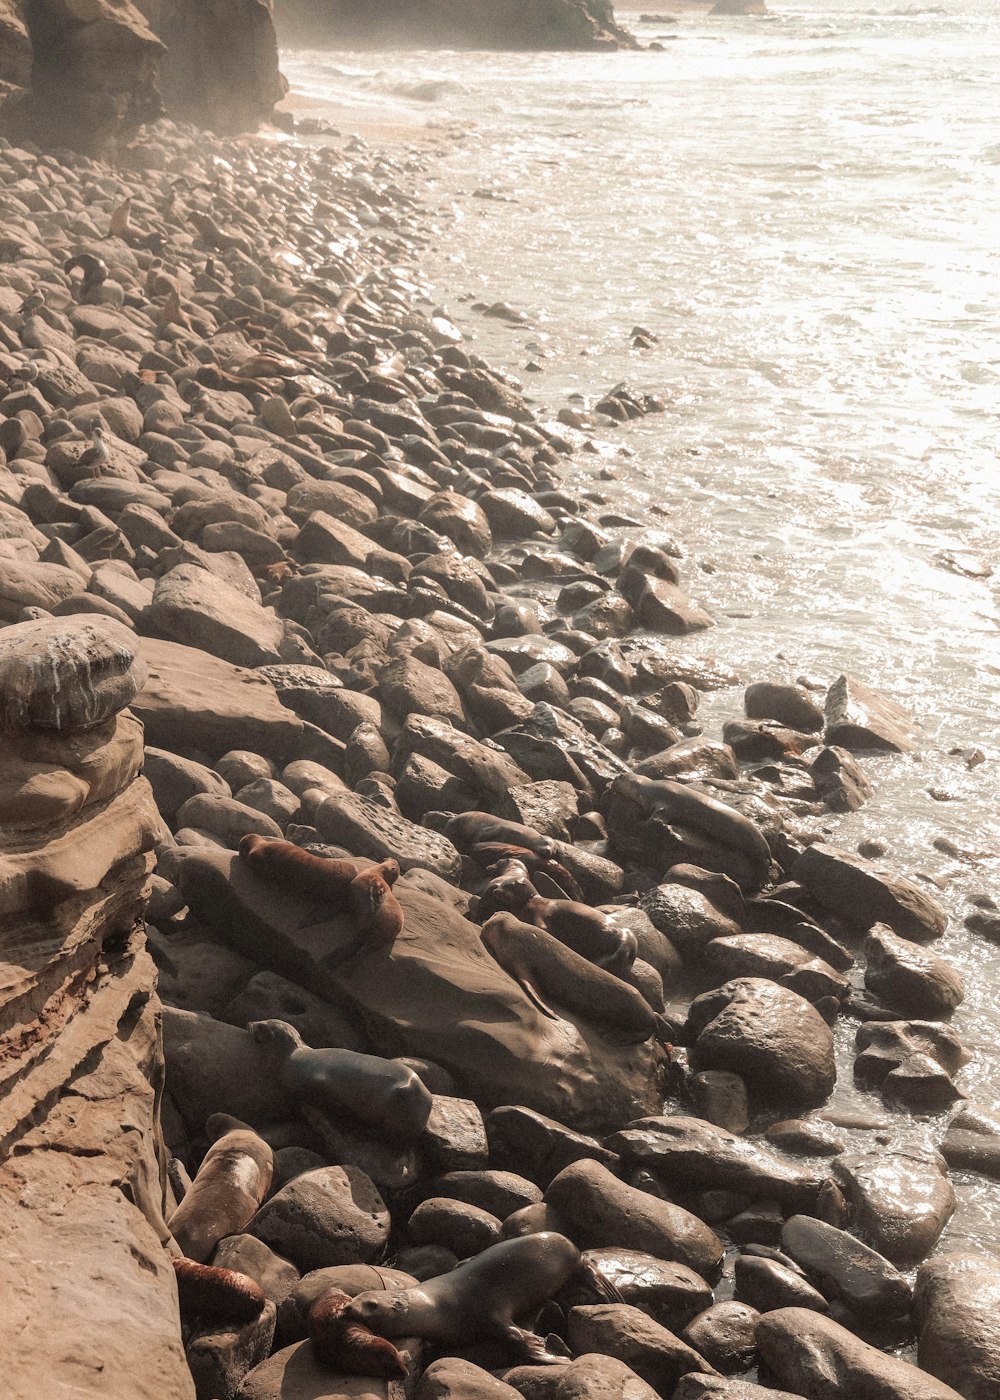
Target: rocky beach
404, 992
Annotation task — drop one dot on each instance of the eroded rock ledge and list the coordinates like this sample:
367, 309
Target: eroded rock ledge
89, 1296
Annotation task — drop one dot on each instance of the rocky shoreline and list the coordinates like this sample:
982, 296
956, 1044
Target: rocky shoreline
280, 560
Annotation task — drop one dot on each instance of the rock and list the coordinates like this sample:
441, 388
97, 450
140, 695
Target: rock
225, 818
725, 1335
174, 780
622, 1331
767, 1284
206, 50
509, 24
67, 674
450, 1378
295, 1373
901, 1200
663, 607
459, 1227
780, 1044
671, 1293
367, 829
863, 894
216, 1068
499, 1192
909, 979
846, 1269
198, 705
602, 1212
455, 1136
701, 1157
192, 607
972, 1142
687, 917
721, 1098
692, 1387
783, 962
788, 704
409, 686
325, 1217
221, 1354
858, 718
957, 1311
539, 1146
838, 780
817, 1357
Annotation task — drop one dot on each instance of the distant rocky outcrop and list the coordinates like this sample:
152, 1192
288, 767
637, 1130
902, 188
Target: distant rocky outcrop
474, 24
220, 69
89, 1295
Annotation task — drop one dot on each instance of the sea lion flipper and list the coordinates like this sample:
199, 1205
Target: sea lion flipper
535, 1350
534, 996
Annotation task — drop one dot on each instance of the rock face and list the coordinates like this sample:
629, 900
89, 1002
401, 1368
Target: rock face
94, 76
957, 1308
220, 69
487, 24
81, 1189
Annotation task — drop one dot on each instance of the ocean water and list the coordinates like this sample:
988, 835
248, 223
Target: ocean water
803, 209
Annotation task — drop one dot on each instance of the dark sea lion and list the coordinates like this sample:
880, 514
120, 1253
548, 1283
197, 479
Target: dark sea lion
231, 1183
491, 854
678, 802
479, 1300
469, 829
585, 930
223, 1294
508, 890
347, 1346
546, 968
383, 1094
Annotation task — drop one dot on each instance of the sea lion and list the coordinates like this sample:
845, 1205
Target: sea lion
678, 802
470, 829
347, 1346
207, 1292
563, 885
508, 890
385, 1095
344, 886
584, 929
478, 1300
231, 1183
541, 964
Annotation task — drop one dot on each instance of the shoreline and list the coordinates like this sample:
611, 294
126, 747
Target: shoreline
291, 458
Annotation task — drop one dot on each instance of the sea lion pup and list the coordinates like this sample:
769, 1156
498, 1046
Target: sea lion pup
544, 967
231, 1183
508, 890
347, 1346
383, 1094
479, 1300
678, 802
343, 886
552, 873
94, 270
204, 1291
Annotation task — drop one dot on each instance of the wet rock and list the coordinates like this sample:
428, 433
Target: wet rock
907, 978
221, 1355
602, 1211
721, 1098
957, 1311
539, 1146
663, 607
846, 1269
622, 1331
687, 917
725, 1335
767, 1284
250, 1256
671, 1293
859, 718
972, 1142
901, 1200
686, 1150
805, 1137
694, 1387
458, 1226
450, 1378
787, 704
863, 894
771, 1036
910, 1061
838, 780
765, 955
817, 1357
330, 1216
499, 1192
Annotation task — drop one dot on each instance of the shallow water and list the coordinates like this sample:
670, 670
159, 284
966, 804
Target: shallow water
802, 209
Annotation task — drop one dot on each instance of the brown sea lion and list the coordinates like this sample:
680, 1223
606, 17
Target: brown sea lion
493, 853
469, 829
479, 1300
204, 1291
546, 968
383, 1094
347, 1346
584, 929
231, 1183
508, 890
344, 886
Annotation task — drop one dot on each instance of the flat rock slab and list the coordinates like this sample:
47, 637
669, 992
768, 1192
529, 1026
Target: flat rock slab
437, 994
198, 705
196, 608
815, 1356
365, 828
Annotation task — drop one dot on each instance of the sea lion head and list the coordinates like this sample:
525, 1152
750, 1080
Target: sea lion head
275, 1035
509, 890
250, 843
387, 1313
389, 870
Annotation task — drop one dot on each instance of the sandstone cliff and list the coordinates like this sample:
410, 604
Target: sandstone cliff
89, 1299
474, 24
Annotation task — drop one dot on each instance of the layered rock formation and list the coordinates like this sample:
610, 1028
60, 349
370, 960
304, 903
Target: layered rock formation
486, 24
89, 1297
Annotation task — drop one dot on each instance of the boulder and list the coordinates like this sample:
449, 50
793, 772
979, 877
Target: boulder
846, 1269
858, 718
908, 979
863, 894
220, 69
957, 1311
333, 1215
815, 1356
624, 1332
194, 608
900, 1199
